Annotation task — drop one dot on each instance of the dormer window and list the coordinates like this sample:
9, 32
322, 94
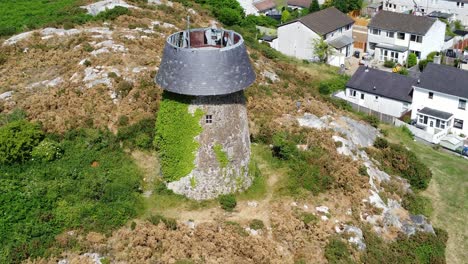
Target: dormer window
375, 31
416, 38
401, 35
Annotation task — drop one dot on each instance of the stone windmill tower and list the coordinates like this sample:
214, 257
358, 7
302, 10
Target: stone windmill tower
211, 67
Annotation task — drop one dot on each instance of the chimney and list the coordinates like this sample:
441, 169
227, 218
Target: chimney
374, 88
367, 68
437, 59
419, 81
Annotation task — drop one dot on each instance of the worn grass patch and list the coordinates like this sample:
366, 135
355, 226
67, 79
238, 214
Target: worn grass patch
447, 191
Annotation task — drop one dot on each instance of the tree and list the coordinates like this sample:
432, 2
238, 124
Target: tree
314, 6
285, 16
341, 5
322, 50
412, 60
229, 16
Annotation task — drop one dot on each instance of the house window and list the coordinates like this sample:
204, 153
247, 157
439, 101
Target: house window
421, 119
431, 95
401, 35
372, 45
462, 104
362, 96
348, 27
442, 124
416, 38
458, 123
375, 31
376, 97
418, 53
352, 93
209, 119
437, 122
390, 34
425, 120
460, 4
431, 124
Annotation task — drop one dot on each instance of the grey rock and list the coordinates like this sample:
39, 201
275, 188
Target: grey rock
6, 95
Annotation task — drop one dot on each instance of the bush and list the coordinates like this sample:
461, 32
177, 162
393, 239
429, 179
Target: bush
283, 148
417, 204
372, 120
17, 140
111, 14
228, 16
309, 218
412, 60
143, 141
7, 31
170, 223
337, 252
123, 88
333, 85
403, 71
256, 224
422, 64
123, 120
407, 131
380, 143
47, 150
396, 159
389, 64
228, 202
176, 129
363, 170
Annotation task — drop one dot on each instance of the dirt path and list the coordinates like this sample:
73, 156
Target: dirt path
149, 164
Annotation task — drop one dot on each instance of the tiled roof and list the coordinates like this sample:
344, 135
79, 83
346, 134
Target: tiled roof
386, 84
402, 22
445, 79
264, 5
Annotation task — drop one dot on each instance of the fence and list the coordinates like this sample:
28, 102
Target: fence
420, 133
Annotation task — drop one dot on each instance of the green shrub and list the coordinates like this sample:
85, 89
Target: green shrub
412, 60
372, 120
16, 115
389, 64
422, 64
256, 224
228, 202
170, 223
143, 141
337, 252
396, 159
221, 155
418, 248
228, 16
17, 140
363, 170
111, 14
403, 71
407, 131
309, 218
417, 204
133, 225
123, 120
123, 88
47, 150
129, 134
380, 143
333, 85
176, 129
93, 187
283, 148
87, 63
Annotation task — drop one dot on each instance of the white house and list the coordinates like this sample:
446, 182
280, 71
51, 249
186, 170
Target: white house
392, 36
440, 100
384, 92
459, 8
296, 38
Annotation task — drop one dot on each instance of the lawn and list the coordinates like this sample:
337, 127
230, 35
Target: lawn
22, 15
447, 191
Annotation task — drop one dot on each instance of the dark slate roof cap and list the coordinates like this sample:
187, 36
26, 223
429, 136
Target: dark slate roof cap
460, 32
301, 3
264, 5
386, 84
268, 38
324, 21
402, 22
445, 79
435, 113
438, 14
341, 42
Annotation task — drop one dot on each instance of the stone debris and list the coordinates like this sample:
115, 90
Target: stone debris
270, 75
356, 237
353, 136
6, 95
252, 204
98, 7
107, 46
253, 232
322, 209
324, 218
98, 75
294, 204
47, 83
22, 36
93, 257
163, 24
191, 224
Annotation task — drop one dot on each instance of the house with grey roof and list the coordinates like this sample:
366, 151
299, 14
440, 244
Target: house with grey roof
393, 36
299, 4
440, 100
379, 91
296, 38
267, 7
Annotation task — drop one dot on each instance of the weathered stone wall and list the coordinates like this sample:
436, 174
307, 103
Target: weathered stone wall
229, 128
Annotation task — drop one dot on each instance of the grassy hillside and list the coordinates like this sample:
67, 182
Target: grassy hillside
23, 15
447, 191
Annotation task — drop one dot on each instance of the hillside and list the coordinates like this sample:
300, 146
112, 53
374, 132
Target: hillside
323, 191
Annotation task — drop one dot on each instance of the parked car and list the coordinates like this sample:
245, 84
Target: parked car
465, 151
